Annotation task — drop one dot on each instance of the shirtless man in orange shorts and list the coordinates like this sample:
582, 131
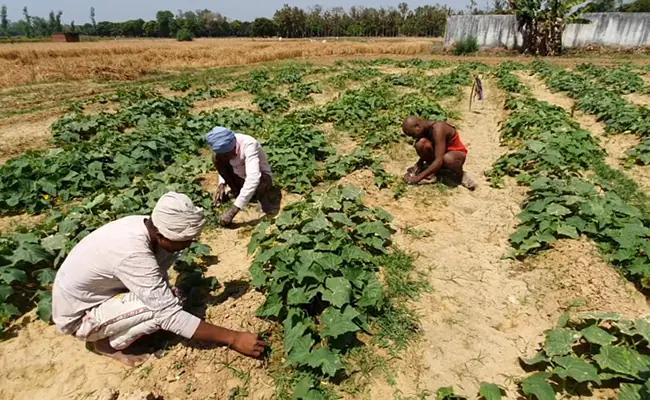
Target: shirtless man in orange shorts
439, 146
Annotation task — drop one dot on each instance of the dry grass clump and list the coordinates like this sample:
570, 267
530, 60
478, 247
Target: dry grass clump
130, 59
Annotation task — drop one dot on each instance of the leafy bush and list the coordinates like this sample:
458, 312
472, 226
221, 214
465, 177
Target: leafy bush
185, 35
318, 268
467, 45
272, 103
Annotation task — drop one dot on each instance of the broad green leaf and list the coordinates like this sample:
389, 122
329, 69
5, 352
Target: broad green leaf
575, 368
46, 276
337, 323
9, 275
54, 242
5, 292
324, 359
595, 335
490, 391
9, 310
44, 308
338, 291
353, 253
258, 235
258, 274
293, 334
318, 223
563, 320
29, 253
539, 358
341, 219
372, 295
301, 349
271, 307
631, 391
329, 261
374, 228
300, 295
350, 193
557, 210
559, 341
626, 327
304, 271
599, 316
306, 389
331, 203
622, 360
643, 328
285, 219
568, 231
537, 385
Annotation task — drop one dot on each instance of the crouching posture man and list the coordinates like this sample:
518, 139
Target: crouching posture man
113, 287
244, 168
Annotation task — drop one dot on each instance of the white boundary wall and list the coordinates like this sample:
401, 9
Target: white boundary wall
608, 29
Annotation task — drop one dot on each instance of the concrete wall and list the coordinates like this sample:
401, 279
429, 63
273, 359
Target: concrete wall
609, 29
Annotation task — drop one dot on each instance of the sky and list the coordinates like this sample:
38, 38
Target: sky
121, 10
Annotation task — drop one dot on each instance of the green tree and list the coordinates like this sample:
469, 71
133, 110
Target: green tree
28, 23
637, 6
51, 26
4, 22
165, 21
263, 27
92, 20
150, 29
542, 24
58, 26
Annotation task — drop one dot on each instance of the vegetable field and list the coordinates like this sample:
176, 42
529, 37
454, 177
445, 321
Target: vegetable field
533, 286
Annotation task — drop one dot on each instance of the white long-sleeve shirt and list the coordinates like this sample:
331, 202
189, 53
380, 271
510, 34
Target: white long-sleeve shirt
113, 259
249, 163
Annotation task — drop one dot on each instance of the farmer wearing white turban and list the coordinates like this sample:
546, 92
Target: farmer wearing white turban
244, 168
113, 287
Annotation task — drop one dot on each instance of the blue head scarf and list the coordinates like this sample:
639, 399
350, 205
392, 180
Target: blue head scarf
221, 139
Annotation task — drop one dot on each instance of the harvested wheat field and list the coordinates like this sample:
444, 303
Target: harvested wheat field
533, 285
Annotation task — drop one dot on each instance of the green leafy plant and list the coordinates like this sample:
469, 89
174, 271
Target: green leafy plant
301, 91
591, 350
272, 102
466, 45
181, 85
185, 35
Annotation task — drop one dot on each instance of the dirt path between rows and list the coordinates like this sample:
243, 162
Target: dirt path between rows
482, 314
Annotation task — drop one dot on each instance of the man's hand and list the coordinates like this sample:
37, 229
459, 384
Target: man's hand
248, 344
412, 179
178, 293
219, 195
227, 218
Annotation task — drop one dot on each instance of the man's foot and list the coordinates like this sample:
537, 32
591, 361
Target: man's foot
103, 348
468, 182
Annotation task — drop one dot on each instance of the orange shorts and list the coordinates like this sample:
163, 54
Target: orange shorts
456, 144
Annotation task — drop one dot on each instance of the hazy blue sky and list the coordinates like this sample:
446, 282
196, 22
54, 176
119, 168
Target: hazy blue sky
118, 10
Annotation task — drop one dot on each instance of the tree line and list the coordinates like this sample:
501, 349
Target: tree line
290, 22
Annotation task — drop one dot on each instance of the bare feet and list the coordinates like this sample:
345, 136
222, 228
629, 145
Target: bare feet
468, 182
103, 348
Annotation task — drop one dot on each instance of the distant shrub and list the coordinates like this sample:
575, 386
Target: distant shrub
185, 35
467, 45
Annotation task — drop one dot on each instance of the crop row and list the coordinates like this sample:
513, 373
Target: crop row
551, 154
617, 114
620, 79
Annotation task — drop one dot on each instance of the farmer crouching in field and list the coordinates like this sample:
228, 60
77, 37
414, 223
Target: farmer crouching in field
113, 287
440, 149
243, 166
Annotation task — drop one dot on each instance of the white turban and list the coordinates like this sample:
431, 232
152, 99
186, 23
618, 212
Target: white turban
177, 218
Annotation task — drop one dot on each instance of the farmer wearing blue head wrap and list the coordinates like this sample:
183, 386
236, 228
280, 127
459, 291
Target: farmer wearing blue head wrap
244, 168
